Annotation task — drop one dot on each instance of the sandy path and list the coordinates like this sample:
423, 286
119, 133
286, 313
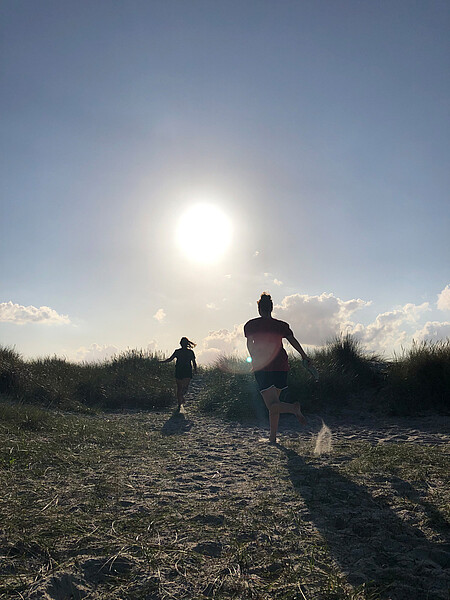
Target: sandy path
230, 516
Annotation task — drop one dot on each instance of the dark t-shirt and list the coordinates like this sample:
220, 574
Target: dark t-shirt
268, 353
183, 366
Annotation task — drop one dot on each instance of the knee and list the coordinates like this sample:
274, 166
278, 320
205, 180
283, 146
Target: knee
274, 408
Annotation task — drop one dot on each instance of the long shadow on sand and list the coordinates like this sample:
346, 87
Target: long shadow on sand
367, 539
176, 424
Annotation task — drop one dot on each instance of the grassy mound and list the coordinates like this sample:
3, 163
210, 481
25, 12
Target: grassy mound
134, 379
229, 390
350, 377
419, 379
416, 381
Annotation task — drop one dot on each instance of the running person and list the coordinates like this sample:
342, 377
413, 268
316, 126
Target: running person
270, 361
183, 367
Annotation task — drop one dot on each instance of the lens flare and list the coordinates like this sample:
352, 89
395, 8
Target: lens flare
234, 365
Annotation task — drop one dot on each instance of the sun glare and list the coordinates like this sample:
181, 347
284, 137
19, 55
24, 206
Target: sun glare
204, 233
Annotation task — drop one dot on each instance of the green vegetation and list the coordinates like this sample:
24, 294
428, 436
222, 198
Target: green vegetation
134, 379
417, 381
420, 379
108, 507
229, 390
120, 506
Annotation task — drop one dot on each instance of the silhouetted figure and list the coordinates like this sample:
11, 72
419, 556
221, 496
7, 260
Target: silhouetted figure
185, 358
270, 361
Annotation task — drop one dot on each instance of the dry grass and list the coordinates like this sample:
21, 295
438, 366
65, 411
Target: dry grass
158, 506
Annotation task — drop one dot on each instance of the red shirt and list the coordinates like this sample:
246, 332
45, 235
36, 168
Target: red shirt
267, 350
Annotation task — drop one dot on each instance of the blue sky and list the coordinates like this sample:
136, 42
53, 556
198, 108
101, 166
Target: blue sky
319, 129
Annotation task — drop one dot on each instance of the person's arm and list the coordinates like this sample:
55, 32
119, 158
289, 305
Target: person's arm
296, 344
194, 364
168, 359
250, 345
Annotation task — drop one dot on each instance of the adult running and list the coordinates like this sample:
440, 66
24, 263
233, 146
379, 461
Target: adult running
270, 362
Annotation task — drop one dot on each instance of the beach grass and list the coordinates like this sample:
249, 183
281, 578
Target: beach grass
350, 378
133, 379
102, 500
109, 503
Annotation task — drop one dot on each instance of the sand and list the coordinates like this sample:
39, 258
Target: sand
231, 516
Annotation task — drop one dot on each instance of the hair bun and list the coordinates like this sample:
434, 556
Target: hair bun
265, 302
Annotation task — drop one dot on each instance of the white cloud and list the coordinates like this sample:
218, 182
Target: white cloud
274, 281
316, 319
18, 314
208, 356
152, 346
160, 315
221, 342
95, 353
389, 330
443, 302
433, 331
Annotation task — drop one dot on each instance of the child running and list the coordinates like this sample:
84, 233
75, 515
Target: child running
270, 361
183, 367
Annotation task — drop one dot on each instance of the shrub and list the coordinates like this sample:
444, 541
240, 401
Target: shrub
230, 391
11, 370
20, 416
419, 379
349, 376
134, 379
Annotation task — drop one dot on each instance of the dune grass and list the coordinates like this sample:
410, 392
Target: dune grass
98, 498
419, 379
350, 378
133, 379
414, 382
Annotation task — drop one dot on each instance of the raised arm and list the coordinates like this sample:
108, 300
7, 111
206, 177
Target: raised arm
296, 344
168, 359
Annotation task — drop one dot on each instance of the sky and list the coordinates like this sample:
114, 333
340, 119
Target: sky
164, 162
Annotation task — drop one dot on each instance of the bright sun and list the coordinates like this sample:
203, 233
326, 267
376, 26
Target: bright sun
204, 233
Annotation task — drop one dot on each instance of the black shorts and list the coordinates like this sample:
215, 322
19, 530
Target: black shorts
268, 379
183, 373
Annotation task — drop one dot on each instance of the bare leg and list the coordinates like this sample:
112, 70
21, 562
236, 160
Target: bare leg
272, 400
182, 388
293, 409
186, 383
298, 413
180, 396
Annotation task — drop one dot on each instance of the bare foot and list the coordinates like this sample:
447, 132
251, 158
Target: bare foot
300, 416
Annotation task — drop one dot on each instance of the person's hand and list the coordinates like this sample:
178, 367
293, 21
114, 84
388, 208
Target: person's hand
309, 365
